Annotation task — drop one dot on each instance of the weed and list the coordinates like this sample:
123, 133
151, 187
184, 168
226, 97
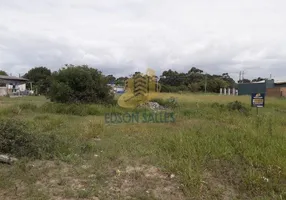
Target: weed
28, 106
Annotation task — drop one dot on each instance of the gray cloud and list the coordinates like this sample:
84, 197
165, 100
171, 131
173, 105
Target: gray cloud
121, 37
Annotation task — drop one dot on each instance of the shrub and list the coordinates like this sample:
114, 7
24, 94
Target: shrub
76, 109
15, 140
172, 103
168, 88
218, 106
236, 105
69, 109
40, 76
27, 106
167, 103
232, 106
79, 84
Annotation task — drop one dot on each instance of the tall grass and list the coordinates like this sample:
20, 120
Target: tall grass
213, 143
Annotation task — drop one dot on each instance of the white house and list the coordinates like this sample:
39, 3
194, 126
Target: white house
10, 84
116, 88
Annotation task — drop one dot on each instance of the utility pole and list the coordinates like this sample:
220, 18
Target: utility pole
205, 83
242, 76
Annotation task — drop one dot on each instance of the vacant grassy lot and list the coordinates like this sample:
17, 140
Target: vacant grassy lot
210, 152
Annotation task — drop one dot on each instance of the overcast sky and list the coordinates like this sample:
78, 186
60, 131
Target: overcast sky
123, 36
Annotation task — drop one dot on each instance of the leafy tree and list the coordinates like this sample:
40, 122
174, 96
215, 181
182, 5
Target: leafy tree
258, 79
79, 84
244, 81
195, 70
121, 81
215, 84
229, 81
171, 78
194, 81
110, 79
194, 87
40, 77
3, 73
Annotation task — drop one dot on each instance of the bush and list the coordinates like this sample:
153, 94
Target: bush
168, 103
232, 106
236, 105
218, 106
168, 88
28, 106
40, 76
79, 84
77, 109
15, 140
69, 109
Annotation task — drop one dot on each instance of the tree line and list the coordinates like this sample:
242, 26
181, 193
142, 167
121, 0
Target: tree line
195, 80
85, 84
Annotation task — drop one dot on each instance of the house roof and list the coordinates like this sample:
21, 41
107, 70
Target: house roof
263, 81
12, 78
280, 82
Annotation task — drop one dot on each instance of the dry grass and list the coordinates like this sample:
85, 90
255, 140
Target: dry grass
212, 153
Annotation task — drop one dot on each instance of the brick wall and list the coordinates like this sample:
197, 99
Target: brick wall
276, 92
283, 91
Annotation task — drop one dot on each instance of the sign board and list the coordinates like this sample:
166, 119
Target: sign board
258, 100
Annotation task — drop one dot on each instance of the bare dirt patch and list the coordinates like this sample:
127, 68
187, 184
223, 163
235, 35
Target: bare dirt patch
59, 181
215, 187
48, 179
144, 182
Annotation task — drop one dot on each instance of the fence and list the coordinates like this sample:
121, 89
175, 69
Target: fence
228, 91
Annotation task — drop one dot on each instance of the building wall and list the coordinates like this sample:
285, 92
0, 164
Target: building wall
280, 85
3, 91
249, 88
283, 90
270, 83
276, 92
273, 92
21, 87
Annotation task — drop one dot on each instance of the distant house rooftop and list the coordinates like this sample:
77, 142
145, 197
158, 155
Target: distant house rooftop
8, 79
275, 82
279, 82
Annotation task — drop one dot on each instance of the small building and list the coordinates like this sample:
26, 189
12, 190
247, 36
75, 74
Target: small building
255, 87
279, 90
117, 89
12, 84
269, 87
280, 84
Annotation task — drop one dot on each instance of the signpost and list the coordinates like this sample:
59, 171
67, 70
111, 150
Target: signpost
258, 100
